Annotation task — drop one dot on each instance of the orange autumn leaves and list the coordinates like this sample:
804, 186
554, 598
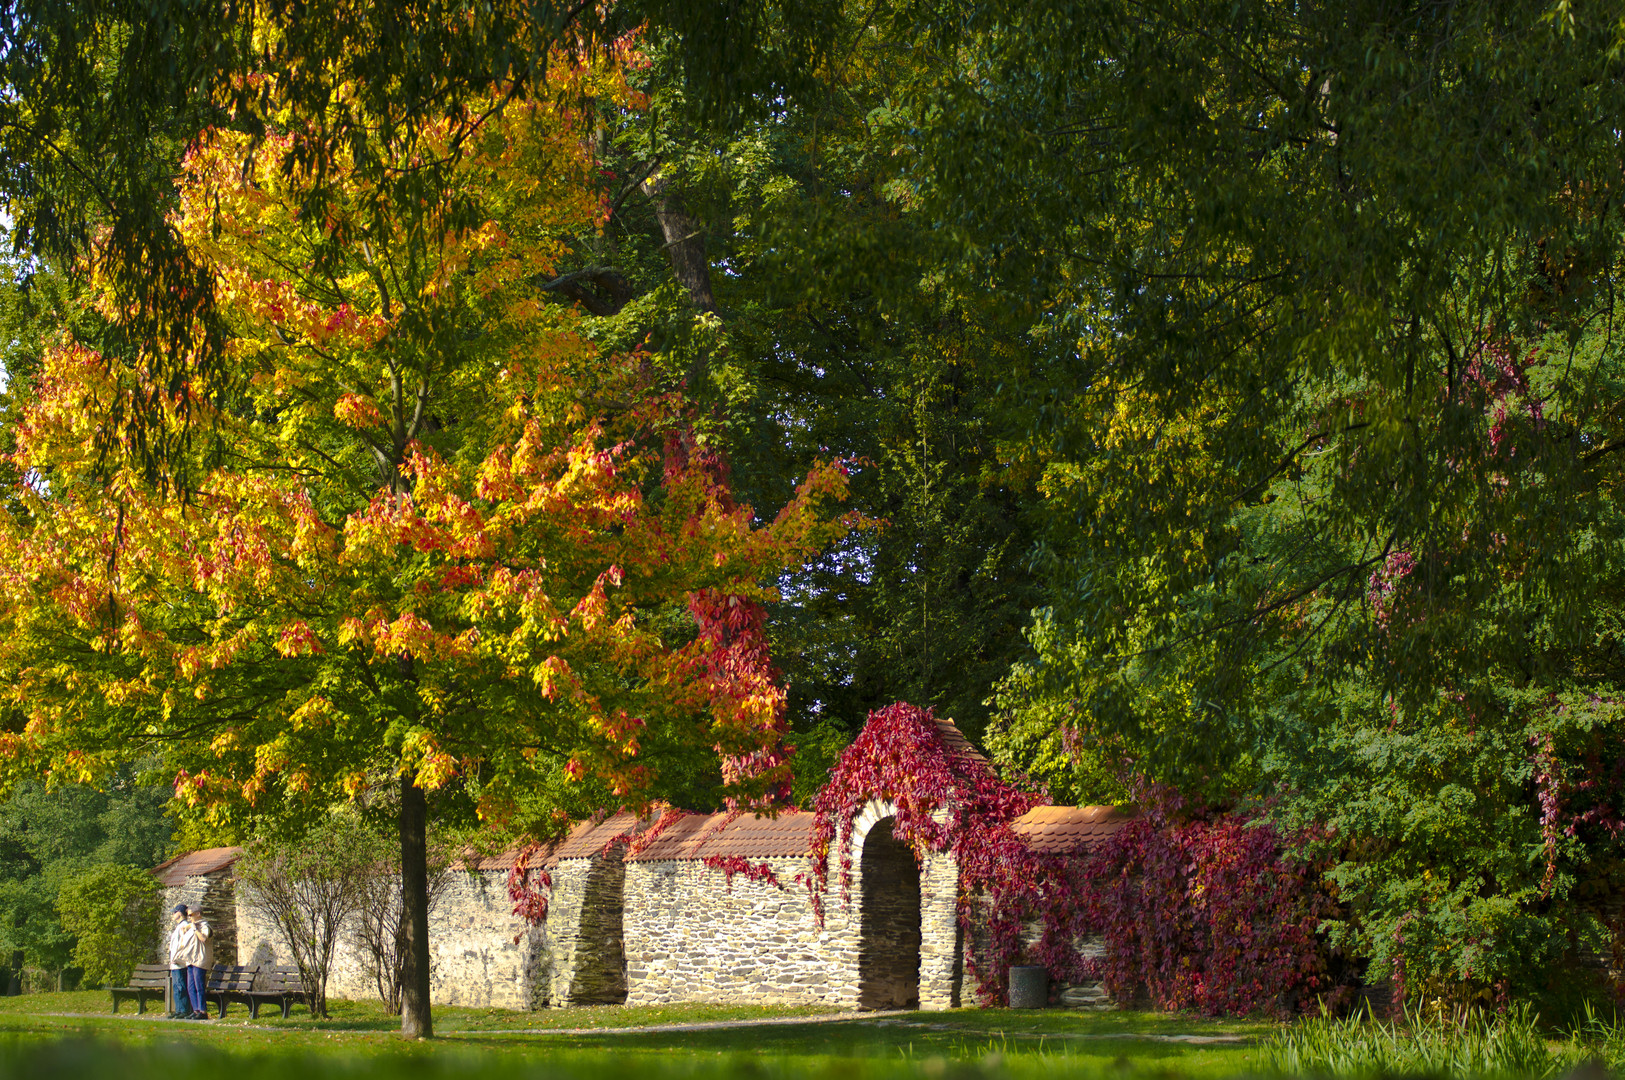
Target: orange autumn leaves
422, 546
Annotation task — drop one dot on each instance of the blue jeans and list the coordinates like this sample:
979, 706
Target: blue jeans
194, 989
177, 990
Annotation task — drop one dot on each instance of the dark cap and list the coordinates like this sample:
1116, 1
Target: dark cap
181, 908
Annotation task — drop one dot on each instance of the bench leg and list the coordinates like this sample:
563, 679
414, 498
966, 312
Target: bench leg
287, 1007
253, 1009
140, 1003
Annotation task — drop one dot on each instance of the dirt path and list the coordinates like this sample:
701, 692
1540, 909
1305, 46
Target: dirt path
705, 1025
875, 1019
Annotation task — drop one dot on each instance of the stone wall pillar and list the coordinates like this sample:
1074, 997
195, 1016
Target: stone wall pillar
585, 915
941, 948
840, 940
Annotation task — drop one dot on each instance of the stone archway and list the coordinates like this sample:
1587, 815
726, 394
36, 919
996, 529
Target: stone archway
889, 922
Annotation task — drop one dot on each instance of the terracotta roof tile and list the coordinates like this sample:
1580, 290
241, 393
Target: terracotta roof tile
582, 841
194, 864
698, 836
585, 843
501, 860
957, 743
1068, 830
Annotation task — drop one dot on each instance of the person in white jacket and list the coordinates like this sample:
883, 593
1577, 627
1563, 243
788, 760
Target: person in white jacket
197, 972
188, 946
180, 1008
207, 936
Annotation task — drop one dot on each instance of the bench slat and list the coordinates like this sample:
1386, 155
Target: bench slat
146, 979
231, 984
222, 977
279, 984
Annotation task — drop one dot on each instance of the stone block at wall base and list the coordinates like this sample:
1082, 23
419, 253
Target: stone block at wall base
1087, 996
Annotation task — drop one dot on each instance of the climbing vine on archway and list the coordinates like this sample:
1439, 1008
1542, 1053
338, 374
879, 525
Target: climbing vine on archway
1196, 910
901, 757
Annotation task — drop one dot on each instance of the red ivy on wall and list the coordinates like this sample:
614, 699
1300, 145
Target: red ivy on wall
947, 801
738, 864
529, 887
1206, 911
1194, 909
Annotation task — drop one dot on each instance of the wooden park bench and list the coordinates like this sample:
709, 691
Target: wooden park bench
147, 979
228, 984
277, 984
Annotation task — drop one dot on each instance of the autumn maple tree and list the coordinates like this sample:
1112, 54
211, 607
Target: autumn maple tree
447, 541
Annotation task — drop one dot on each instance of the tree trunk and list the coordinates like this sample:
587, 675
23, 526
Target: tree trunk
685, 241
415, 1020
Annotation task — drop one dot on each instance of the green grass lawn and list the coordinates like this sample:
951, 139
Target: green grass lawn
369, 1015
73, 1034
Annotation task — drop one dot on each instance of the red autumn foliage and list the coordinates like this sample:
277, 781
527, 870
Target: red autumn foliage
529, 887
1209, 912
731, 865
735, 664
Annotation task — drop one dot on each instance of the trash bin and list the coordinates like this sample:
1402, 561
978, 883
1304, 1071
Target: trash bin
1029, 987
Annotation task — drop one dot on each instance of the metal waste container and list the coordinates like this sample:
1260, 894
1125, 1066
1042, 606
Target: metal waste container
1029, 987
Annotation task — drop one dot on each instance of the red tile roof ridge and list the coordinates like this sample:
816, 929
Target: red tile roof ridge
956, 741
582, 841
1069, 830
750, 835
175, 870
1075, 813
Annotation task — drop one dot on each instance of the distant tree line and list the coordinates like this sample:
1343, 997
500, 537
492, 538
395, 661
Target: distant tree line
75, 892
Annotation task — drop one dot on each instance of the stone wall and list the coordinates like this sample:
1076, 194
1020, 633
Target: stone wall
942, 950
891, 941
692, 936
482, 954
646, 932
661, 926
586, 958
213, 893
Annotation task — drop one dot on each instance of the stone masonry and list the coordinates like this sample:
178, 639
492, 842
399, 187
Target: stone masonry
655, 912
692, 936
586, 959
481, 953
201, 879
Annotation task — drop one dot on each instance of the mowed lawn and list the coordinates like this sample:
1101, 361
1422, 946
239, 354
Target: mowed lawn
74, 1035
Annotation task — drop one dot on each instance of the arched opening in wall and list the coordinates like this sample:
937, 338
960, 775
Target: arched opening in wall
889, 922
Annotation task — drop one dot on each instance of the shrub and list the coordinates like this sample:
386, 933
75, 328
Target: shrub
113, 911
309, 889
379, 925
